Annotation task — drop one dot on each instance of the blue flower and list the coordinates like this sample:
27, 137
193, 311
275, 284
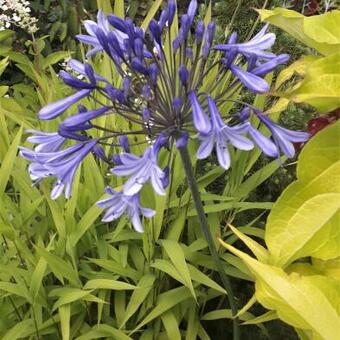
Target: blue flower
142, 169
83, 117
46, 141
55, 109
254, 47
92, 39
119, 203
201, 120
220, 136
250, 80
61, 164
283, 138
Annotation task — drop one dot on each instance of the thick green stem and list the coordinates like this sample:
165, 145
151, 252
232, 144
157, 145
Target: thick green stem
207, 234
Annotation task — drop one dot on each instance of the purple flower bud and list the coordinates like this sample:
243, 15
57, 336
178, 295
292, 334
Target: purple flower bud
163, 18
165, 179
74, 82
155, 31
183, 75
185, 28
127, 46
81, 118
177, 105
146, 92
114, 44
251, 62
233, 38
176, 44
138, 66
182, 141
209, 39
192, 10
139, 32
201, 120
116, 159
124, 142
71, 134
171, 11
139, 47
251, 81
270, 65
230, 57
126, 86
117, 23
146, 114
153, 73
244, 114
53, 110
189, 53
200, 28
130, 29
99, 152
160, 142
90, 73
102, 38
115, 94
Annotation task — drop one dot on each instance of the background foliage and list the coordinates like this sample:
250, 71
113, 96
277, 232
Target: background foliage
66, 275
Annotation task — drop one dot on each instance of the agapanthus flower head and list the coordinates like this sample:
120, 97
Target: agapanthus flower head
61, 164
118, 203
166, 95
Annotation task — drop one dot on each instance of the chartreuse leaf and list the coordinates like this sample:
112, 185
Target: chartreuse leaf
297, 299
68, 295
300, 223
298, 67
19, 330
260, 252
65, 318
225, 314
165, 302
171, 326
176, 255
3, 65
108, 284
54, 58
318, 31
101, 331
329, 268
144, 286
321, 85
268, 316
119, 8
59, 267
85, 224
151, 13
8, 162
105, 6
321, 152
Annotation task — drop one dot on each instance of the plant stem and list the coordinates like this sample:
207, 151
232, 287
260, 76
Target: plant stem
207, 234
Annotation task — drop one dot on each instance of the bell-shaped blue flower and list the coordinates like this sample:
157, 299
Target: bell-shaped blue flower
118, 203
220, 136
92, 38
45, 141
55, 109
250, 80
283, 138
61, 164
201, 120
83, 117
256, 46
142, 169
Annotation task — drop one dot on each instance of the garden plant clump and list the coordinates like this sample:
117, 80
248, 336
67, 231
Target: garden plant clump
150, 156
